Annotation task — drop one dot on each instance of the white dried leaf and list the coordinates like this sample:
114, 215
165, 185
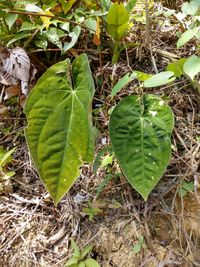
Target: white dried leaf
17, 64
6, 78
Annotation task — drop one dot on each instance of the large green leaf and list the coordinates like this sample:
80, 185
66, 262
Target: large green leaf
117, 21
59, 132
140, 130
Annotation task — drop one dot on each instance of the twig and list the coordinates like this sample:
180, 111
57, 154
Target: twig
30, 39
48, 16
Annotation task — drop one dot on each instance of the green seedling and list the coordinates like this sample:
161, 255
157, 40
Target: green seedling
80, 257
185, 188
91, 211
5, 159
138, 245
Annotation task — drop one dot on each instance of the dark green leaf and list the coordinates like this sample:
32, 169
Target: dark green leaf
140, 130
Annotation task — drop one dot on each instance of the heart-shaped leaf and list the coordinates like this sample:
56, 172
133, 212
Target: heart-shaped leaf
140, 130
117, 20
59, 132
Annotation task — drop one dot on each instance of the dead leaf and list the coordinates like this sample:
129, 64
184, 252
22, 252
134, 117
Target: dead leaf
16, 63
12, 91
6, 78
96, 38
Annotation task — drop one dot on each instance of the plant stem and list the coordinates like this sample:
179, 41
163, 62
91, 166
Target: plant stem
115, 53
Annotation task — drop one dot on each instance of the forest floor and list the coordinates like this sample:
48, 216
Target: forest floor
33, 232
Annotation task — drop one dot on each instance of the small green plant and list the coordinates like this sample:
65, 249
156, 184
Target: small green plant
190, 11
79, 259
185, 188
104, 159
187, 67
5, 159
91, 211
118, 24
138, 245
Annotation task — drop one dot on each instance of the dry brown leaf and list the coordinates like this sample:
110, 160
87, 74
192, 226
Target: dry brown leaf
96, 38
12, 91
